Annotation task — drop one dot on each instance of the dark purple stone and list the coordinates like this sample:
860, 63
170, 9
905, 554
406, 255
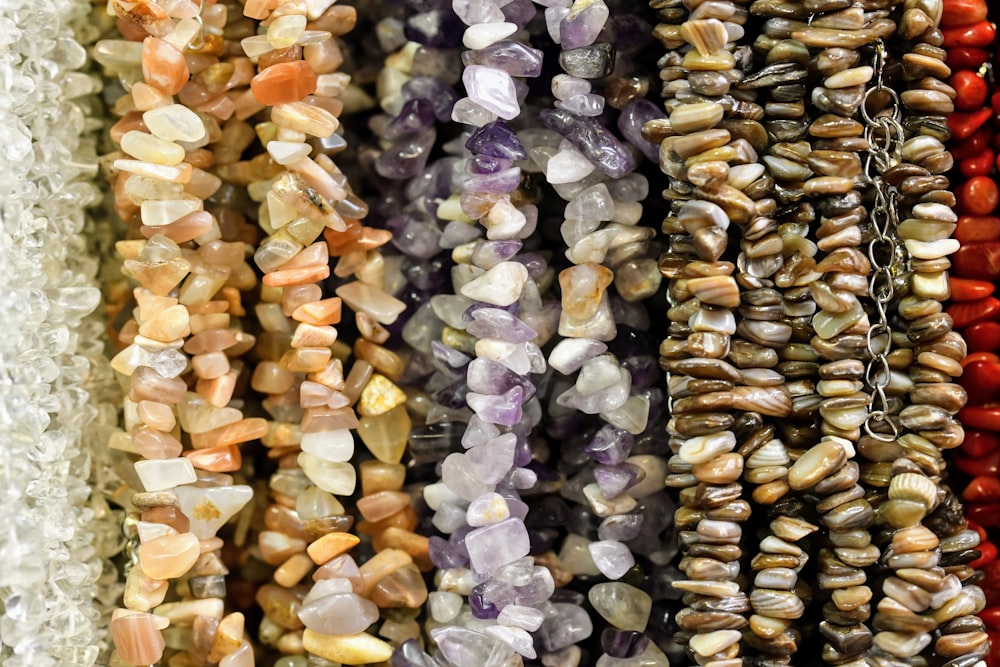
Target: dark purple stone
407, 157
623, 643
522, 453
542, 471
630, 123
644, 370
496, 139
480, 607
535, 264
543, 539
592, 139
439, 94
513, 57
415, 115
487, 164
615, 480
610, 445
452, 396
437, 28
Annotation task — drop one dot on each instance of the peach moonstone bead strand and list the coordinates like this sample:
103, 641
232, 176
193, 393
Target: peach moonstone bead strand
302, 368
190, 278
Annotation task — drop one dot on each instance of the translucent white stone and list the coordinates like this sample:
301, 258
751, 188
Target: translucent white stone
500, 286
568, 166
159, 213
334, 477
569, 354
481, 35
287, 152
363, 298
174, 123
163, 474
209, 508
487, 509
329, 445
444, 606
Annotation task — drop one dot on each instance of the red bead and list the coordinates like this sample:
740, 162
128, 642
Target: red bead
980, 443
980, 165
973, 357
981, 380
963, 289
972, 525
974, 145
982, 489
970, 88
973, 228
987, 514
966, 57
989, 554
987, 418
964, 123
974, 312
984, 337
979, 261
975, 34
962, 12
995, 102
978, 196
991, 616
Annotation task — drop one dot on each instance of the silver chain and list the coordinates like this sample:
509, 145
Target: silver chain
884, 133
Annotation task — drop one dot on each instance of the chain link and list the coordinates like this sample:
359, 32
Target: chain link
885, 136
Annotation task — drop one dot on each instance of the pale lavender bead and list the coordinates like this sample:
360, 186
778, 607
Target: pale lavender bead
513, 57
498, 544
553, 21
593, 140
467, 648
519, 12
457, 233
565, 624
444, 555
612, 558
415, 234
504, 409
570, 354
615, 480
499, 183
523, 478
528, 590
620, 527
589, 105
528, 618
435, 181
496, 323
477, 11
582, 27
518, 508
492, 461
339, 614
458, 475
610, 445
603, 400
478, 432
493, 89
636, 114
565, 86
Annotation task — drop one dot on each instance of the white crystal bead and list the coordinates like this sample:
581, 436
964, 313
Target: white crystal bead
163, 474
